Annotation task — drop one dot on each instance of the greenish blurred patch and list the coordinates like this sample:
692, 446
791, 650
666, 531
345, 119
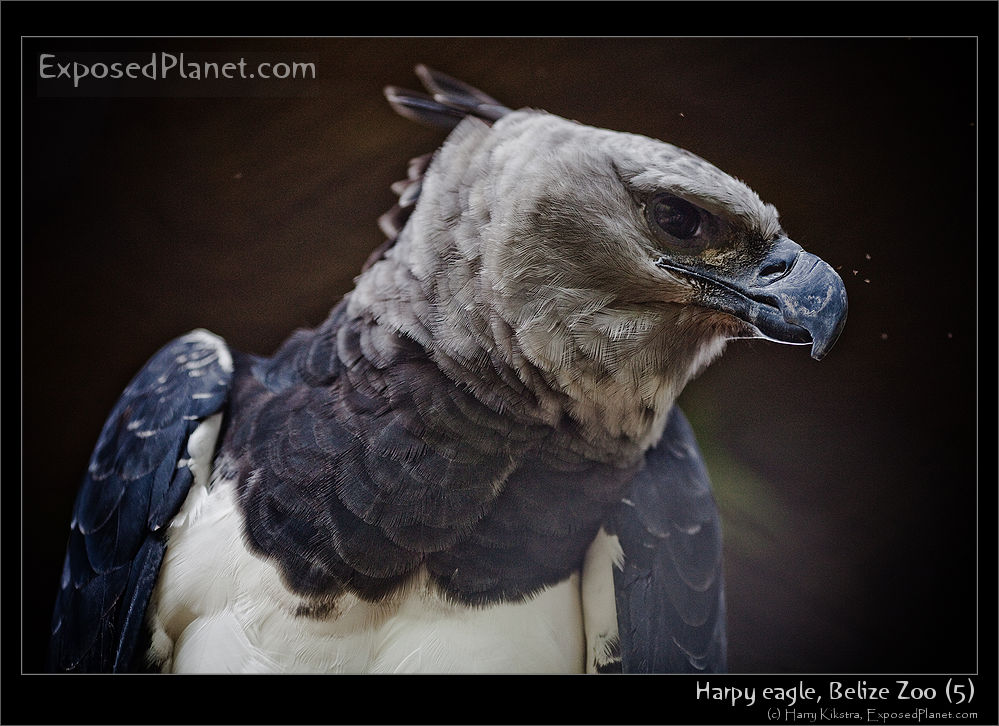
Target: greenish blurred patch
751, 507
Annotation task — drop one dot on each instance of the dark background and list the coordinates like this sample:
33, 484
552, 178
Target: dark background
848, 487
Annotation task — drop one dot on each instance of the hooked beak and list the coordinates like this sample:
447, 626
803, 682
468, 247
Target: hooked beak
792, 296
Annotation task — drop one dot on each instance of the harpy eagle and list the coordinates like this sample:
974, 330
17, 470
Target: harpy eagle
476, 463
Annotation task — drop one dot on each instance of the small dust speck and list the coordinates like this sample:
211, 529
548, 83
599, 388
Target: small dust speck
855, 272
238, 175
681, 115
868, 255
884, 336
950, 335
867, 281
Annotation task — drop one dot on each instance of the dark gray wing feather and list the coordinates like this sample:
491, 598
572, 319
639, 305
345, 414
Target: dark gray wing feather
136, 481
450, 101
670, 590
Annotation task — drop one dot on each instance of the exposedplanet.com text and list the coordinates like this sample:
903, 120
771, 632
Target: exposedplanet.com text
162, 65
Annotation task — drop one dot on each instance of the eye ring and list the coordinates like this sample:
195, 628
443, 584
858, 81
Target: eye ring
678, 222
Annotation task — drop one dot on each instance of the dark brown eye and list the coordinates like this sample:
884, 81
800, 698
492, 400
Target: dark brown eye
677, 217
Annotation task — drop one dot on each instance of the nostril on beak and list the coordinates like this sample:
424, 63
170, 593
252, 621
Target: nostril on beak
774, 269
778, 262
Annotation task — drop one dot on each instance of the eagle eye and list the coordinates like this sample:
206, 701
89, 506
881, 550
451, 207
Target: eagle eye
677, 218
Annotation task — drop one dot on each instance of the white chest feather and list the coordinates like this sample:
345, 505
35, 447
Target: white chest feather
218, 608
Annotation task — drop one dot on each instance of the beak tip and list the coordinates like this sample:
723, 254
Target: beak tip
825, 340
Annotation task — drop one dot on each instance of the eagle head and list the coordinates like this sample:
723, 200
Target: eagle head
611, 265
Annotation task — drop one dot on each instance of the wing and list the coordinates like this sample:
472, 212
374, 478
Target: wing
139, 474
669, 590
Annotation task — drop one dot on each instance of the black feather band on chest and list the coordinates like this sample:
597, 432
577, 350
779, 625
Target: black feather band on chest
358, 460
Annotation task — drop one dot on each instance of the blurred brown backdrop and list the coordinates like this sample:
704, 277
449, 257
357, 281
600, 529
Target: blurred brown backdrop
848, 487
